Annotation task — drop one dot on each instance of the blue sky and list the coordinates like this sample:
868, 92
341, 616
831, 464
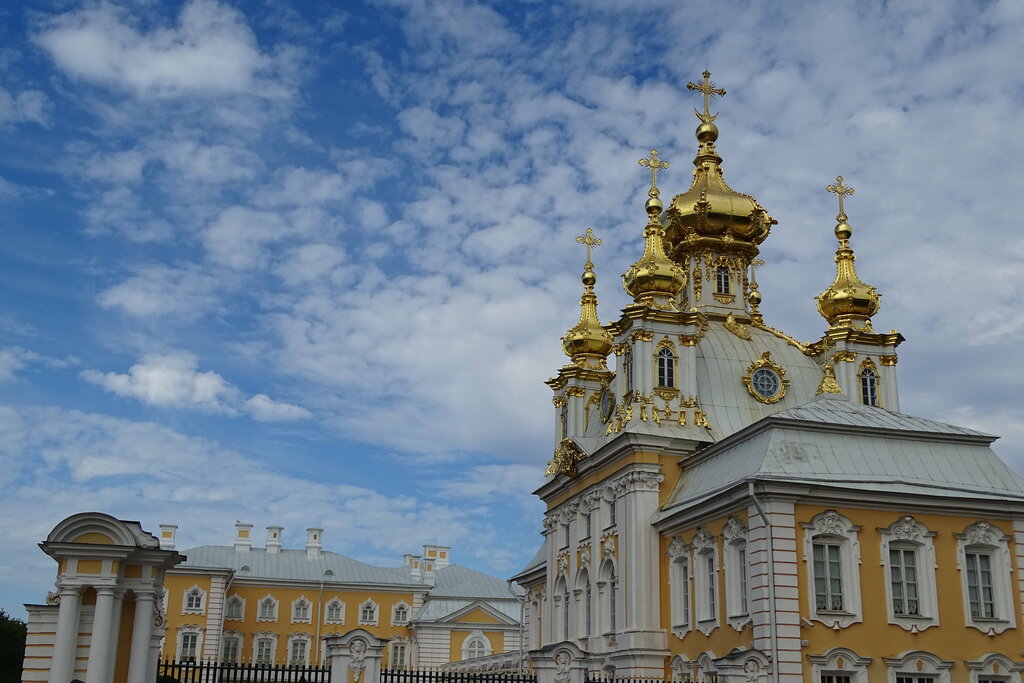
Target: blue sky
308, 263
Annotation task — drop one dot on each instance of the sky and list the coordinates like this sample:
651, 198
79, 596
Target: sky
308, 263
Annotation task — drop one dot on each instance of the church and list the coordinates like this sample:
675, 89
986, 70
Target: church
731, 502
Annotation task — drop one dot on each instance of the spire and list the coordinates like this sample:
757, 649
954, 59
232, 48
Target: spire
655, 279
848, 302
587, 343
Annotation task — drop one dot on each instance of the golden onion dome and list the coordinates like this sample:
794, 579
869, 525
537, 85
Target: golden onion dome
849, 302
711, 209
587, 340
654, 276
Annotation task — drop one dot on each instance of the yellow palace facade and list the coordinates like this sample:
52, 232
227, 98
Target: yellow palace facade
731, 501
274, 606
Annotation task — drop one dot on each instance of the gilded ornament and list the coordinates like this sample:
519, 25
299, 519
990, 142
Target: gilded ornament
559, 401
654, 163
762, 389
888, 359
655, 415
844, 357
641, 335
736, 328
828, 384
682, 418
690, 402
594, 399
724, 298
666, 393
804, 347
643, 413
566, 457
700, 419
588, 342
709, 91
575, 391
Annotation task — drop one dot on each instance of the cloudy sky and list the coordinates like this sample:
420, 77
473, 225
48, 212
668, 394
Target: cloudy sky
308, 263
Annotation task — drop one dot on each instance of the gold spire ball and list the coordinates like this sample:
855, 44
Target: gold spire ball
587, 343
654, 279
848, 302
711, 212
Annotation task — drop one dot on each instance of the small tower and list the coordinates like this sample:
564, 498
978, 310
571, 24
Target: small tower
579, 385
274, 534
864, 360
243, 537
314, 542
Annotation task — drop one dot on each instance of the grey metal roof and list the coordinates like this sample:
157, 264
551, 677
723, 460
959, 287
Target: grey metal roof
434, 610
539, 559
862, 450
293, 565
457, 581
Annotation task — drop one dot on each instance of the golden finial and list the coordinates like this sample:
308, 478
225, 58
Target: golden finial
588, 240
840, 189
828, 384
653, 162
754, 265
708, 90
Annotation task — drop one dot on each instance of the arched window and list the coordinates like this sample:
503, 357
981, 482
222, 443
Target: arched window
368, 613
608, 588
722, 280
194, 599
268, 609
235, 608
300, 610
475, 645
562, 607
584, 611
335, 611
868, 387
400, 613
666, 368
627, 369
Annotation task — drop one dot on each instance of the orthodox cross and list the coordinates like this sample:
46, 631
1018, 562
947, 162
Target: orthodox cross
653, 162
840, 189
588, 240
708, 90
754, 265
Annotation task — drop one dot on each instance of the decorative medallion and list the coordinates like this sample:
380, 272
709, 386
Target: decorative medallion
766, 380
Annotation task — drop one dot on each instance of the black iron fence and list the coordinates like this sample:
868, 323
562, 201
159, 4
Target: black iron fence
438, 676
222, 672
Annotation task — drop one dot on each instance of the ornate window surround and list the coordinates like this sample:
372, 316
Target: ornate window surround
327, 611
583, 593
193, 591
263, 614
737, 573
262, 636
915, 663
189, 629
872, 390
395, 621
841, 661
983, 537
232, 636
830, 525
399, 645
680, 589
233, 599
706, 593
671, 369
679, 668
475, 638
363, 620
303, 638
297, 603
995, 665
907, 533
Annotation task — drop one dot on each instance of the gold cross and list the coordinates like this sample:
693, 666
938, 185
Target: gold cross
654, 162
708, 90
754, 265
589, 241
840, 189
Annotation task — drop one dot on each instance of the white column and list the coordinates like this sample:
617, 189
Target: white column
142, 629
65, 642
115, 629
98, 670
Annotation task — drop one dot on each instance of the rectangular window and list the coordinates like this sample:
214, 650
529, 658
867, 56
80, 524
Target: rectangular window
828, 581
915, 679
398, 656
684, 575
189, 645
588, 613
298, 652
585, 525
710, 569
903, 581
835, 678
611, 513
230, 655
264, 652
741, 567
980, 593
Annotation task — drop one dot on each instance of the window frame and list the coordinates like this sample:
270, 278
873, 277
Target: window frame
468, 645
261, 613
680, 591
984, 538
299, 603
706, 592
723, 285
235, 637
403, 605
270, 639
628, 373
306, 642
193, 592
917, 665
737, 574
665, 367
398, 653
234, 599
831, 528
371, 605
906, 534
995, 667
839, 661
191, 633
334, 602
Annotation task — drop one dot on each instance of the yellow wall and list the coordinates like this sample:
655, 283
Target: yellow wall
478, 616
724, 638
951, 639
458, 639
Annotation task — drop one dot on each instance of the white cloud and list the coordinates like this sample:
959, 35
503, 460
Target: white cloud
28, 106
238, 236
159, 290
210, 51
170, 380
265, 409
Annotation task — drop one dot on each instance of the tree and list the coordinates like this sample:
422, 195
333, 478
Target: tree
13, 633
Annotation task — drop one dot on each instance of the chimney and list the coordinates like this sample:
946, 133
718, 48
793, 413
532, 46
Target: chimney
413, 564
167, 536
243, 537
428, 572
274, 534
439, 554
314, 542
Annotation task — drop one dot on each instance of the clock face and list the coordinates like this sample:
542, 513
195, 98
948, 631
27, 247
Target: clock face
607, 404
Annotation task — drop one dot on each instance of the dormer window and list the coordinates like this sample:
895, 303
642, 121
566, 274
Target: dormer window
868, 387
666, 368
722, 281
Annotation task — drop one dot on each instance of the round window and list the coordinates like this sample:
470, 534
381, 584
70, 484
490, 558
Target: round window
765, 382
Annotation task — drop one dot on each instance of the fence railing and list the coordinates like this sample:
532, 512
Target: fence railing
439, 676
169, 671
702, 677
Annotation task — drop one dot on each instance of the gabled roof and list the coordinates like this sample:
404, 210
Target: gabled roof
457, 581
841, 444
293, 565
449, 610
539, 560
